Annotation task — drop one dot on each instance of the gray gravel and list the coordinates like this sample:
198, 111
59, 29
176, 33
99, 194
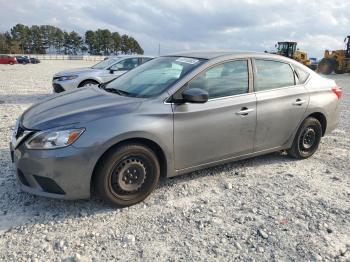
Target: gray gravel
269, 208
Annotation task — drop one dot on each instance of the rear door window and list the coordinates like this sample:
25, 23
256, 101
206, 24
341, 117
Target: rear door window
272, 74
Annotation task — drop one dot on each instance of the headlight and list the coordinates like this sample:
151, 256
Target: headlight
54, 138
64, 78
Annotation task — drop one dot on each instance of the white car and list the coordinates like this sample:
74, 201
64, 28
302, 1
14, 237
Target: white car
102, 72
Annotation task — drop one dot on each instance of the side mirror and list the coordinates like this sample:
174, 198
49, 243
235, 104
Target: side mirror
195, 95
111, 71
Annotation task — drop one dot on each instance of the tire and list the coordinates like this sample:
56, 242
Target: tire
127, 175
339, 72
88, 83
307, 139
326, 66
313, 67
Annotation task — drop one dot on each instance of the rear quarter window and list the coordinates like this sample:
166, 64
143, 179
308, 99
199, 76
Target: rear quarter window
302, 74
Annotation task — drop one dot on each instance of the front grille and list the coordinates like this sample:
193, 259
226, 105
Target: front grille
22, 178
49, 185
57, 88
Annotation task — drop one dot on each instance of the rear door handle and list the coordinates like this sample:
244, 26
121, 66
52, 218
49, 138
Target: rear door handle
244, 111
299, 102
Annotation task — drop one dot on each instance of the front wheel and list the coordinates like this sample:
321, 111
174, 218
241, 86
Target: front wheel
88, 83
127, 175
307, 139
339, 71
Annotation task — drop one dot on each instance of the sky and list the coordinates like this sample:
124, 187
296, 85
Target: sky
178, 25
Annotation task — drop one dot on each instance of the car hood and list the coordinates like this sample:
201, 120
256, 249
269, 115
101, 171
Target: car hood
76, 71
77, 106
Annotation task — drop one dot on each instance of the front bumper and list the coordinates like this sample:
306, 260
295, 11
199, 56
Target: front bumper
61, 86
57, 88
59, 173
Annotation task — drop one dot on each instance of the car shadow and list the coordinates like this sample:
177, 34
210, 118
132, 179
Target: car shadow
18, 208
23, 99
268, 159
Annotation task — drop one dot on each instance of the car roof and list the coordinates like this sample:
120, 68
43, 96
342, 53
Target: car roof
216, 54
223, 55
209, 55
130, 56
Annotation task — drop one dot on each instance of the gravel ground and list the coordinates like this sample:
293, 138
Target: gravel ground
269, 208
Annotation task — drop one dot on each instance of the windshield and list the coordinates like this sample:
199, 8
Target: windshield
286, 48
155, 76
105, 63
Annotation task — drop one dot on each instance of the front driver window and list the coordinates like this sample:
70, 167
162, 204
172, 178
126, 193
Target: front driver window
226, 79
126, 64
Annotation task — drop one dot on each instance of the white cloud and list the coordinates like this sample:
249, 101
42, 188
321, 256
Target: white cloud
190, 24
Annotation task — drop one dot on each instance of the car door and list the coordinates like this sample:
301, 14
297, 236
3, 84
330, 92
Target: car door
281, 103
224, 126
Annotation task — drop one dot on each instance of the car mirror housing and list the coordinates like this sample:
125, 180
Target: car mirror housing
195, 95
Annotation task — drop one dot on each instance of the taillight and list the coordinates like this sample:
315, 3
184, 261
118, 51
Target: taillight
338, 91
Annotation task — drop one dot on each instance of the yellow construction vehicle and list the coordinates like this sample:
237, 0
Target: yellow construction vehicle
289, 49
337, 61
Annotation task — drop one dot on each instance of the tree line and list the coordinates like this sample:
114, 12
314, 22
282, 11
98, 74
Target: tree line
48, 39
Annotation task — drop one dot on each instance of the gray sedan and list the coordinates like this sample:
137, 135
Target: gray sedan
102, 72
170, 116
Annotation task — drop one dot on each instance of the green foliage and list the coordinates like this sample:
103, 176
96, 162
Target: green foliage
45, 39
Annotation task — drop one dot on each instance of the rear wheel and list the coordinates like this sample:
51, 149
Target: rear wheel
307, 139
127, 175
326, 66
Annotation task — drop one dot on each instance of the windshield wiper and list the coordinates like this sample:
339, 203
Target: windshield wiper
102, 86
116, 91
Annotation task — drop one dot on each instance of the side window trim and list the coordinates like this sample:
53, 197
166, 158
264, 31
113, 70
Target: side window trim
249, 71
273, 60
297, 81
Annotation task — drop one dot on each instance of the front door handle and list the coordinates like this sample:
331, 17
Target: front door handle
244, 111
299, 102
